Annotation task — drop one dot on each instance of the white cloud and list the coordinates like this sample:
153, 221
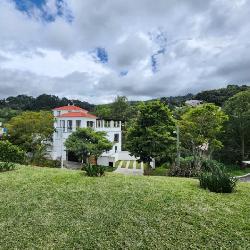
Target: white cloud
52, 63
207, 46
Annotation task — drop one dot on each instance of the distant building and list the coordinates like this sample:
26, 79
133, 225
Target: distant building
2, 130
69, 118
193, 103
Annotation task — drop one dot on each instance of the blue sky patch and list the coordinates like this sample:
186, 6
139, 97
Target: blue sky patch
160, 39
154, 64
102, 55
27, 5
123, 73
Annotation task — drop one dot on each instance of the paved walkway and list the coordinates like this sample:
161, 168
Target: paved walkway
130, 168
245, 178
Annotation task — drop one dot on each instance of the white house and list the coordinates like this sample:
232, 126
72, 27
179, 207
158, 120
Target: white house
69, 118
193, 103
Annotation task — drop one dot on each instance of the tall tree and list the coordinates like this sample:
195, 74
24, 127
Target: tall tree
86, 142
103, 111
200, 128
152, 133
238, 127
119, 108
30, 130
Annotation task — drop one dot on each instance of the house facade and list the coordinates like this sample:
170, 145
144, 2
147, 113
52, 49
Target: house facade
69, 118
193, 103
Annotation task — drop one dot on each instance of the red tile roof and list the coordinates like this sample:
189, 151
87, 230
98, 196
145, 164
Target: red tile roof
77, 114
70, 107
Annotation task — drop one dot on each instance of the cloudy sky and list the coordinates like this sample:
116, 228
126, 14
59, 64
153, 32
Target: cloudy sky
96, 49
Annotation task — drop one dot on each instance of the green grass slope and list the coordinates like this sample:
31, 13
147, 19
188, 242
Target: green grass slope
61, 209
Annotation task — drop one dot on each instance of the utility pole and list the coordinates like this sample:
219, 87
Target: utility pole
178, 145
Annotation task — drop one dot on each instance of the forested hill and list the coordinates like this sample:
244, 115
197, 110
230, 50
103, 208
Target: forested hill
42, 102
216, 96
48, 102
219, 96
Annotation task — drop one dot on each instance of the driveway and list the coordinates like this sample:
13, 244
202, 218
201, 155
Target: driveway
130, 168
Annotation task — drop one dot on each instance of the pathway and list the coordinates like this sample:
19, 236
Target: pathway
245, 178
130, 168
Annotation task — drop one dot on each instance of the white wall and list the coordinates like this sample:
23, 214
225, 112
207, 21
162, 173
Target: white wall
74, 119
125, 156
60, 136
111, 131
104, 160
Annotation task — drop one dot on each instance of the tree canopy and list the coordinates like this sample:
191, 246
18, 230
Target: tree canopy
11, 153
7, 113
220, 96
42, 102
121, 109
151, 135
200, 127
85, 142
30, 129
103, 111
237, 137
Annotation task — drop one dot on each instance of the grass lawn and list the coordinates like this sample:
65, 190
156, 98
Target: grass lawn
138, 165
237, 171
43, 208
124, 164
159, 171
233, 170
117, 163
131, 164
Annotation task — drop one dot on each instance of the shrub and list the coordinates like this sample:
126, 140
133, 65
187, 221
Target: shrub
147, 169
187, 168
44, 162
7, 166
208, 165
216, 179
165, 165
158, 171
11, 153
94, 170
193, 167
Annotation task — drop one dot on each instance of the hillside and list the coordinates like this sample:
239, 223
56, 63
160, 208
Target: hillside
220, 96
42, 102
48, 102
52, 208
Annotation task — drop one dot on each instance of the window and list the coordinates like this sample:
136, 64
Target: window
107, 124
115, 149
90, 124
58, 113
69, 125
78, 123
116, 137
99, 124
116, 124
62, 124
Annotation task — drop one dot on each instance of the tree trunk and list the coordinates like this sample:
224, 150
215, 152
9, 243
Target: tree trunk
243, 147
